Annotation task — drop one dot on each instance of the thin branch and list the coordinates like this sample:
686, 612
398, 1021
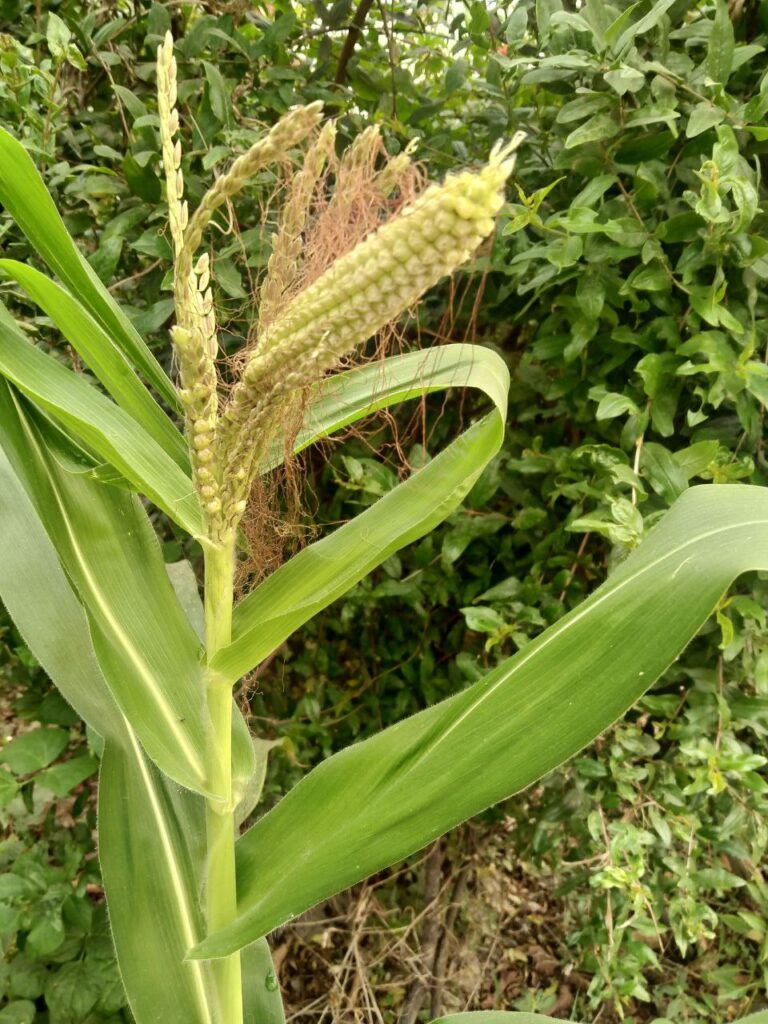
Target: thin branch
358, 20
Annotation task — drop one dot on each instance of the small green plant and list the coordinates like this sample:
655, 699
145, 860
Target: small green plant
151, 670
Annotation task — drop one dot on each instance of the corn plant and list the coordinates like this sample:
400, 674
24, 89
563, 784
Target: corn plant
151, 668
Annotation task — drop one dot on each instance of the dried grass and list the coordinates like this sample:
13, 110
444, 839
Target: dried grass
464, 927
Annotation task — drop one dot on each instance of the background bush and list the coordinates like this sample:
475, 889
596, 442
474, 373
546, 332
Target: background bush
625, 288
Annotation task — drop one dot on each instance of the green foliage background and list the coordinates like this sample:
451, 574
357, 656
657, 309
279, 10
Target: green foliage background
626, 289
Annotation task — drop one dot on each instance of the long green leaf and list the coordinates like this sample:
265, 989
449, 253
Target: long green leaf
152, 853
45, 608
325, 570
111, 432
48, 614
100, 353
337, 401
24, 195
151, 833
378, 801
146, 649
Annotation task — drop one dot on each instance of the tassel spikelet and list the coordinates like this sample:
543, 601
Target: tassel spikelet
169, 126
361, 292
289, 131
389, 177
383, 275
287, 243
302, 337
194, 335
362, 151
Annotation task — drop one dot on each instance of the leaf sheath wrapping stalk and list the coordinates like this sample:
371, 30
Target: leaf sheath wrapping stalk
380, 800
144, 820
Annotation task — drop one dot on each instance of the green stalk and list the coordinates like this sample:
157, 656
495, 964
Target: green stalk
221, 891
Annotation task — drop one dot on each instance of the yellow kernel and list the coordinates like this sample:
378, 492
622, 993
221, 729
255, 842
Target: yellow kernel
400, 251
444, 244
465, 208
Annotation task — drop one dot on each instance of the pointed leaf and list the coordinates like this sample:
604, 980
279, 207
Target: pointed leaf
100, 423
45, 608
152, 853
719, 60
325, 570
24, 195
146, 649
380, 800
102, 355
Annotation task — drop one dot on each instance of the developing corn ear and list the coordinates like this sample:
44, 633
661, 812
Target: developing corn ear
191, 894
359, 294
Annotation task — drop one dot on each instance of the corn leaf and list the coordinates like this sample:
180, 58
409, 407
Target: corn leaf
45, 608
325, 570
380, 800
47, 612
27, 200
337, 401
152, 852
100, 353
111, 432
157, 914
145, 647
